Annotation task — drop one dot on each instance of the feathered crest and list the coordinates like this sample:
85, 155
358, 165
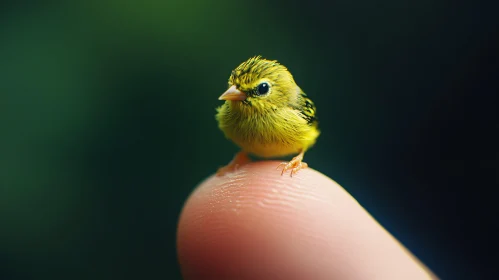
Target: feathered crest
255, 68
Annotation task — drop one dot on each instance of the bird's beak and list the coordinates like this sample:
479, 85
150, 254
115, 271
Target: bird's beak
233, 94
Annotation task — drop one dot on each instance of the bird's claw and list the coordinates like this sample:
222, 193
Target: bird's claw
295, 165
227, 169
239, 160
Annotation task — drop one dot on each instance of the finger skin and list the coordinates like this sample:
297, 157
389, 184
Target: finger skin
256, 224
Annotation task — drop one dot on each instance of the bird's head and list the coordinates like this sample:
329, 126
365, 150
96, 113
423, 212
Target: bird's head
260, 84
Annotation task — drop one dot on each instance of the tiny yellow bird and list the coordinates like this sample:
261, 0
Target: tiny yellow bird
267, 114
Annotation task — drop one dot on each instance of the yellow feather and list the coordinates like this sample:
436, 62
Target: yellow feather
277, 123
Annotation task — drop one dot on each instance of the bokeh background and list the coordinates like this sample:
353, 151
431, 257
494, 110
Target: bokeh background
107, 123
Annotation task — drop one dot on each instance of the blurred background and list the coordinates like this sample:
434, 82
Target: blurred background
107, 123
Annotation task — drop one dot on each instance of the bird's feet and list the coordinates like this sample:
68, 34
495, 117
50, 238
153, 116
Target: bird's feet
295, 165
239, 160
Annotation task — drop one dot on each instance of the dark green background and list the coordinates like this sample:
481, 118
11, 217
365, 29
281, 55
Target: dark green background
107, 122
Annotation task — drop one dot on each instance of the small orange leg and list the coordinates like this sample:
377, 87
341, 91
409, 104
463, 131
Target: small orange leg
239, 160
295, 164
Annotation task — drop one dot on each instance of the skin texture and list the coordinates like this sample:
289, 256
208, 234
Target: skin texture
256, 224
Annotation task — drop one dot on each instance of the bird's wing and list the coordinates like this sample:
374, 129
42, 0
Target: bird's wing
306, 108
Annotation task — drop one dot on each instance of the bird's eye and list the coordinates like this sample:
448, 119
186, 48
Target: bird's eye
263, 88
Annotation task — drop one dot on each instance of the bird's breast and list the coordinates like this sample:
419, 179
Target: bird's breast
271, 134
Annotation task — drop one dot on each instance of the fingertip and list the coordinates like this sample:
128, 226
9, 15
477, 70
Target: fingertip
256, 224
